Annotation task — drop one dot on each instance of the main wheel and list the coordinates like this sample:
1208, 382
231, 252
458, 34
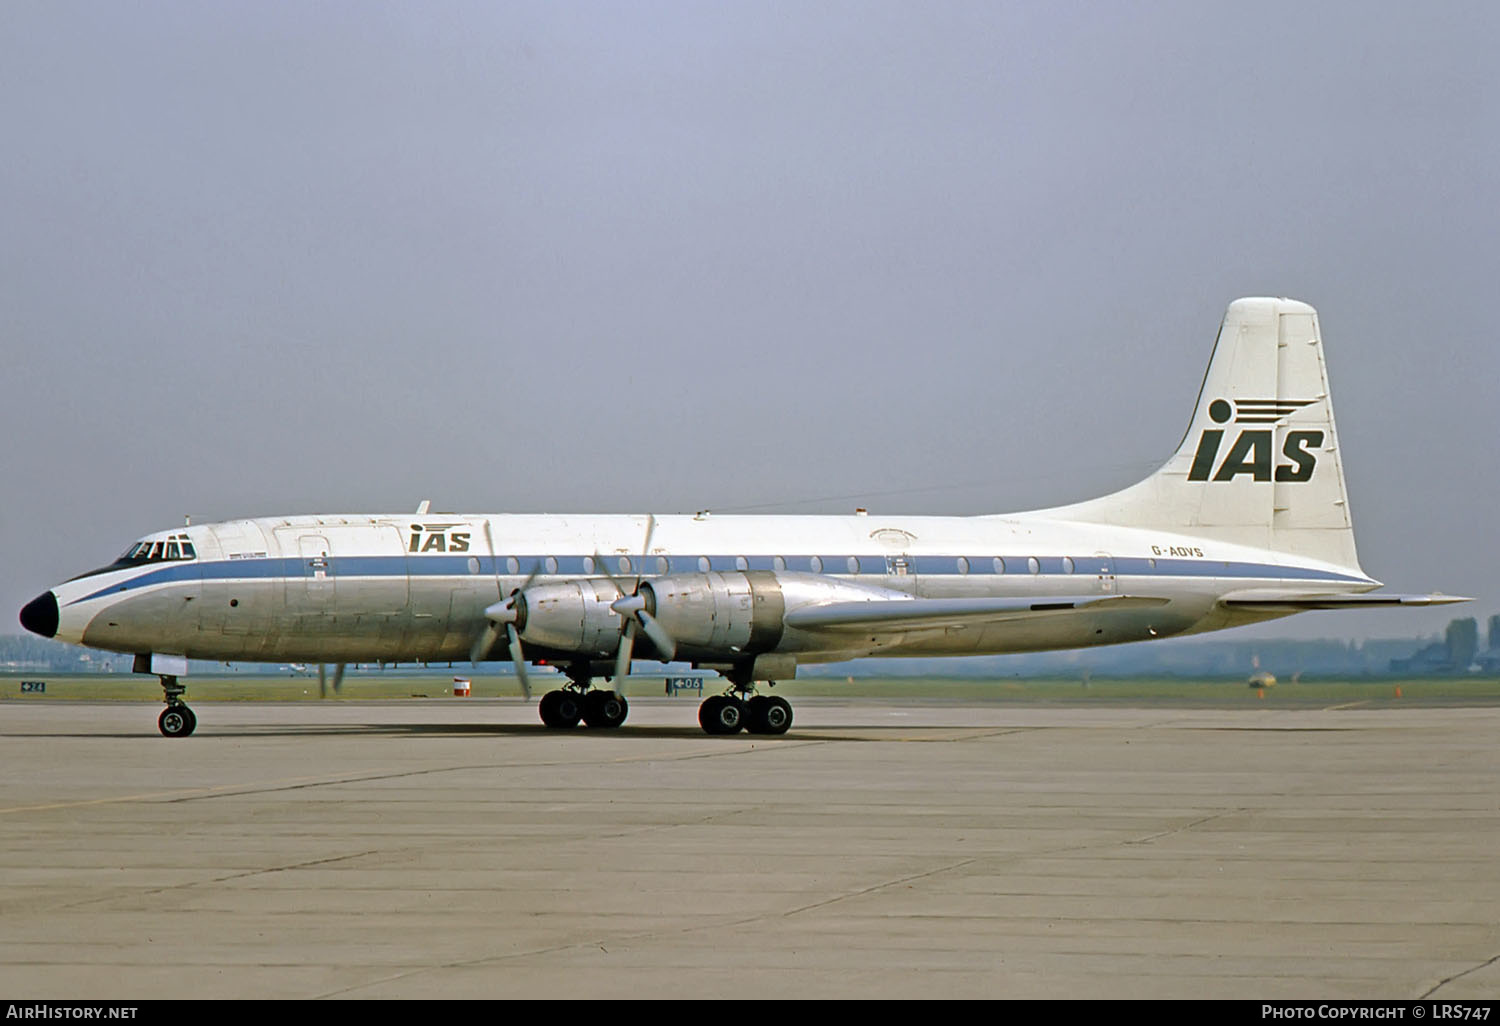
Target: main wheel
560, 709
605, 709
768, 715
721, 714
176, 721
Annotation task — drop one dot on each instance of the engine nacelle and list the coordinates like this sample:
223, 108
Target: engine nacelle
716, 617
570, 616
727, 617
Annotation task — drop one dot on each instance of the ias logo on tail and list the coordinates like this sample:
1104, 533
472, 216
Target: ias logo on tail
1252, 450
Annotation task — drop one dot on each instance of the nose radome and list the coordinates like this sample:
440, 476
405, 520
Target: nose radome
39, 616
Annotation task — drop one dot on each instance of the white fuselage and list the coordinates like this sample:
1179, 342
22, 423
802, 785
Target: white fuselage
414, 588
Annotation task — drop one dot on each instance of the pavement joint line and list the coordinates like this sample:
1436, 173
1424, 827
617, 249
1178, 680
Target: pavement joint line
644, 934
1185, 827
301, 783
873, 888
1457, 976
177, 795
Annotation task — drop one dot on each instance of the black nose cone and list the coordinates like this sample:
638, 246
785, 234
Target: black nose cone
39, 616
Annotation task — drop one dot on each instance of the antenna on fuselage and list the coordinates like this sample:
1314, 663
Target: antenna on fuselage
423, 506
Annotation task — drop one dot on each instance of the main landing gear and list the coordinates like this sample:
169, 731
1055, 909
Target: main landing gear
741, 709
565, 707
176, 720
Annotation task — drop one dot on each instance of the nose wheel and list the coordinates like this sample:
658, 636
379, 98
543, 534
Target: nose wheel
176, 720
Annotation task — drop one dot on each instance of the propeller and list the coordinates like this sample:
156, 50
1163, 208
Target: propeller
631, 606
338, 679
502, 616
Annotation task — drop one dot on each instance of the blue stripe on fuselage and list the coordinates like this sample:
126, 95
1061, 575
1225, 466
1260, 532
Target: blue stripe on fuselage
871, 565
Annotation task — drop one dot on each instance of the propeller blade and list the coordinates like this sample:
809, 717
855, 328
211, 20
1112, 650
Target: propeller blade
640, 566
518, 658
338, 677
602, 567
622, 657
631, 607
665, 646
485, 642
322, 681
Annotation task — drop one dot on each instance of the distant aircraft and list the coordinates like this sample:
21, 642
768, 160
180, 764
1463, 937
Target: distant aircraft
1248, 521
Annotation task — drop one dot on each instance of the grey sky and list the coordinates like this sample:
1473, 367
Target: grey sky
969, 257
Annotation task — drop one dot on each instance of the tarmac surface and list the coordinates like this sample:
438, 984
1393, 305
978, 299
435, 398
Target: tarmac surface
456, 849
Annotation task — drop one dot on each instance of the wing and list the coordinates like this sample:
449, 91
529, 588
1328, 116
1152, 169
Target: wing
1296, 601
923, 614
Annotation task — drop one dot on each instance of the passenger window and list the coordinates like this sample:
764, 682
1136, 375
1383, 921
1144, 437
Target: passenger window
1067, 564
551, 564
1033, 566
815, 564
854, 564
963, 565
778, 563
999, 565
741, 563
703, 564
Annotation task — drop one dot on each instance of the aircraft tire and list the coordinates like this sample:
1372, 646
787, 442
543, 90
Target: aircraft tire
721, 714
176, 721
768, 715
605, 709
560, 709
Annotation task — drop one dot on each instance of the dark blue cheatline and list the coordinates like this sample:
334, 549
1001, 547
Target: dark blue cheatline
418, 566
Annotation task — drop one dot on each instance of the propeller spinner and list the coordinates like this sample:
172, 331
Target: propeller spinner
634, 608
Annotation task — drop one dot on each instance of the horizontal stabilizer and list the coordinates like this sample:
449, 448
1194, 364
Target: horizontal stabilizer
926, 614
1295, 601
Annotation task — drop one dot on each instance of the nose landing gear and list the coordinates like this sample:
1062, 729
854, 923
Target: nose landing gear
176, 720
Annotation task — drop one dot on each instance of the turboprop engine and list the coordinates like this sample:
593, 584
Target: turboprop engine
714, 617
570, 616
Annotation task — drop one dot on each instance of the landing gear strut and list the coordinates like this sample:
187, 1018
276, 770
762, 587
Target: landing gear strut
176, 720
742, 709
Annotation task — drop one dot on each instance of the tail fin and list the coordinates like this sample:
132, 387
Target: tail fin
1260, 462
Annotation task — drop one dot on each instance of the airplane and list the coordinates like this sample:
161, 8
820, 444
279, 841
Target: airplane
1247, 521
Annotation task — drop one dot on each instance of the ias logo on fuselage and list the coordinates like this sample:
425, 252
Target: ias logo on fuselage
437, 538
1252, 450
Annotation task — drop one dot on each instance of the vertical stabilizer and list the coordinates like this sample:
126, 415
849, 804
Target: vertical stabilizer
1260, 462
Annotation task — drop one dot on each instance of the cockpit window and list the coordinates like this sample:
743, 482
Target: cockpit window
159, 550
174, 549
